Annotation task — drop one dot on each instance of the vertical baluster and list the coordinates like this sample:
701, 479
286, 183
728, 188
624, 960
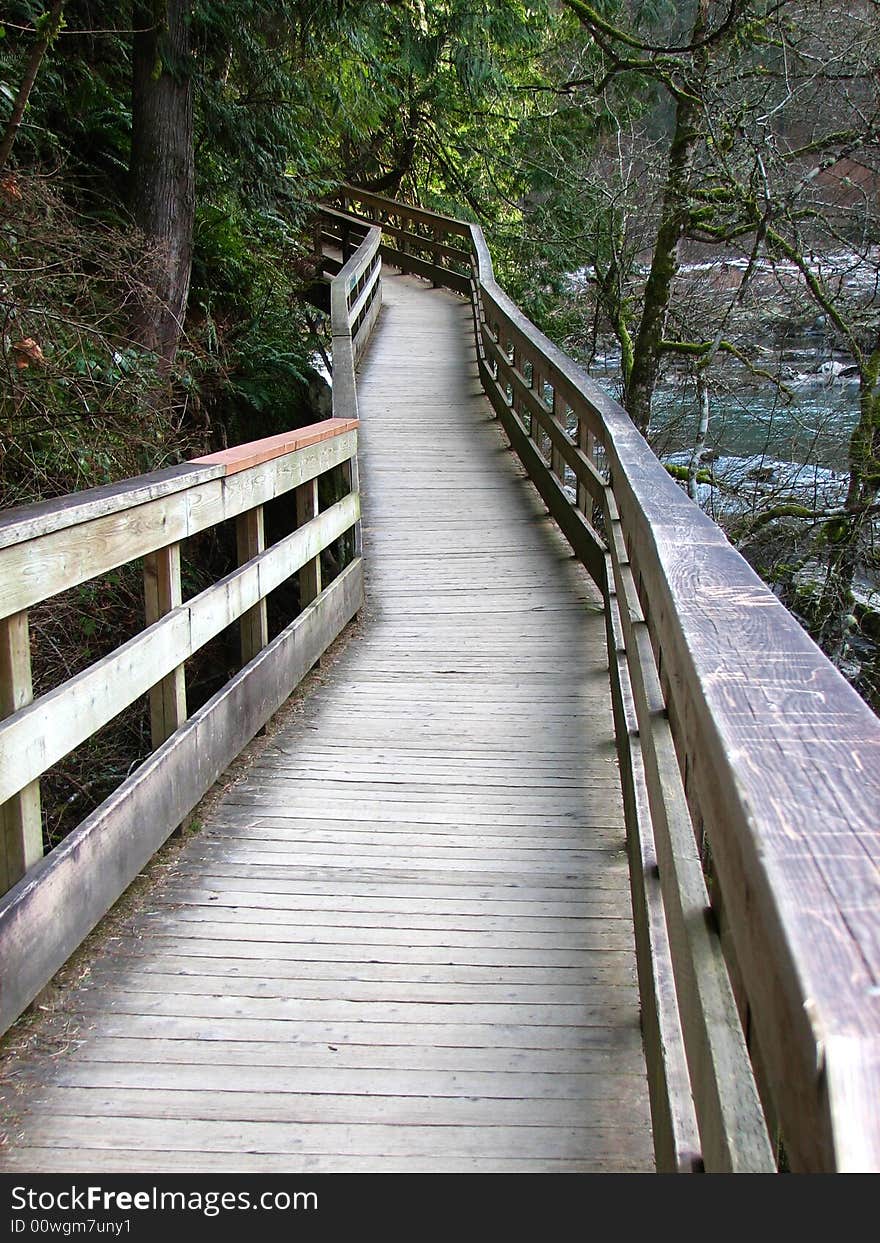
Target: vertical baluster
21, 833
436, 257
310, 574
162, 593
250, 538
587, 445
516, 364
538, 390
477, 308
350, 475
557, 461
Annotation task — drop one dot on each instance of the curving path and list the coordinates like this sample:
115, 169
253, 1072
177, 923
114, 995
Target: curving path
403, 941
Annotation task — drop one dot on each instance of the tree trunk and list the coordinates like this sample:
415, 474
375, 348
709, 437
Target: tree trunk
845, 535
702, 432
162, 173
674, 220
47, 28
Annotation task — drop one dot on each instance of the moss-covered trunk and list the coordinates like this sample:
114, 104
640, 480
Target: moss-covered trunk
675, 216
845, 535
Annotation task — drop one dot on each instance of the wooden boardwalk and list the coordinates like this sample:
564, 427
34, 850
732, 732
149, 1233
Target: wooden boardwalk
404, 941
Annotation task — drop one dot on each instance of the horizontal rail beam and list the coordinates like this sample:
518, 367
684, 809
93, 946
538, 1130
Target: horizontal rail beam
65, 557
49, 728
48, 914
421, 215
414, 266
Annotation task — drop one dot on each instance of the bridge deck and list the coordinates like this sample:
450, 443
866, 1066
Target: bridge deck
403, 942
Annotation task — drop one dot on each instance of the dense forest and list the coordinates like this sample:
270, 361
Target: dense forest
683, 195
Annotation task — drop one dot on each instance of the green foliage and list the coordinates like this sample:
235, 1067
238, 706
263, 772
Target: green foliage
682, 474
80, 405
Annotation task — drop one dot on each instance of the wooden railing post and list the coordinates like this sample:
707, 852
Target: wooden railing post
587, 443
310, 574
557, 461
350, 474
21, 831
516, 363
434, 255
538, 389
250, 536
479, 315
162, 593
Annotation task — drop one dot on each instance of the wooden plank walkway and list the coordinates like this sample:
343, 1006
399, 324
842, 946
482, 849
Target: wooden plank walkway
403, 942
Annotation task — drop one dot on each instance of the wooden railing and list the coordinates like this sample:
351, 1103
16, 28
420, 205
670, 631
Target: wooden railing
750, 768
49, 904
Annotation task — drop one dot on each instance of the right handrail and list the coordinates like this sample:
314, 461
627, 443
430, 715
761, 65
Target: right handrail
750, 767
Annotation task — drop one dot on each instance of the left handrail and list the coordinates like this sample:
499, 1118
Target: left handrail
49, 903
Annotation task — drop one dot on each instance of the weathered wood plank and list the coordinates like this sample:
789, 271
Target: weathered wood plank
63, 558
554, 1022
80, 1131
250, 538
46, 730
162, 595
195, 976
310, 572
733, 1132
202, 957
393, 1111
598, 1059
577, 1088
21, 826
677, 1144
39, 925
434, 272
29, 521
256, 452
245, 891
421, 215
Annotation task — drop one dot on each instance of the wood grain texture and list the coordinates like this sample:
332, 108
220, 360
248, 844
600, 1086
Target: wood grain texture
21, 827
783, 761
29, 521
163, 594
250, 539
65, 556
404, 940
733, 1131
47, 729
49, 912
783, 765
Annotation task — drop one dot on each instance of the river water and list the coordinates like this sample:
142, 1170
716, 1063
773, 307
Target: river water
761, 441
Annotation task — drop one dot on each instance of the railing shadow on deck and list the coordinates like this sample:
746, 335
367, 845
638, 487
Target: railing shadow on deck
50, 903
750, 768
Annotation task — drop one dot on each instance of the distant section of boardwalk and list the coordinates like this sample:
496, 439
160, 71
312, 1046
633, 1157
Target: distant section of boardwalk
404, 942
